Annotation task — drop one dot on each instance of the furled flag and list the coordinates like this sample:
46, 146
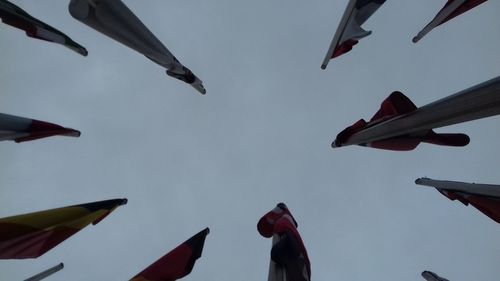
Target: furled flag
485, 197
395, 106
451, 9
400, 125
17, 17
114, 19
177, 263
349, 31
289, 260
21, 129
431, 276
32, 235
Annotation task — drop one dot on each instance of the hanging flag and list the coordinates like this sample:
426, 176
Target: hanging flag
484, 197
115, 20
397, 105
177, 263
32, 235
451, 9
349, 31
400, 125
17, 17
289, 260
20, 129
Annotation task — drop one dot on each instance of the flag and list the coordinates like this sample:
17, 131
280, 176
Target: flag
32, 235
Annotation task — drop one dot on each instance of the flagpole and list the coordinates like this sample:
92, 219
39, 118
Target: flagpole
46, 273
338, 33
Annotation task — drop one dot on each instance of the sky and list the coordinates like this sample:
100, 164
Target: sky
261, 135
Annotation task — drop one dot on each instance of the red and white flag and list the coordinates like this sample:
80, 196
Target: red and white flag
20, 129
349, 30
484, 197
451, 9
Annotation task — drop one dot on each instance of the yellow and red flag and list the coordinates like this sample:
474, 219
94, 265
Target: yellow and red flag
31, 235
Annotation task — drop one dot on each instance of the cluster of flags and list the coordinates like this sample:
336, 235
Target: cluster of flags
288, 256
398, 125
357, 12
111, 18
34, 234
401, 126
17, 17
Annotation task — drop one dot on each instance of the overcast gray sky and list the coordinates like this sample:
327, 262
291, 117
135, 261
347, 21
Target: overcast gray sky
261, 135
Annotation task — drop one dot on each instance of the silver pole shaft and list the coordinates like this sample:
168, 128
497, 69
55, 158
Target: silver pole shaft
46, 273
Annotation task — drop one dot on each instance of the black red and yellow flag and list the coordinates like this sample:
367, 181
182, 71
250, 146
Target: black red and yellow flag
31, 235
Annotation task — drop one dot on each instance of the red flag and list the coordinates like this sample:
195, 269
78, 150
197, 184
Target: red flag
177, 263
349, 31
451, 9
393, 107
288, 255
